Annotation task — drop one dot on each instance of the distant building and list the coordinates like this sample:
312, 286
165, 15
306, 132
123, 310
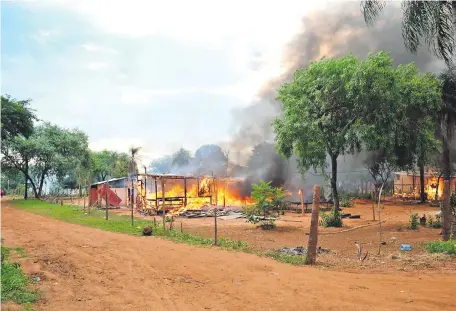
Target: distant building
408, 184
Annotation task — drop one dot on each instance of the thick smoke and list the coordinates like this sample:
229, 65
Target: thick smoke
331, 33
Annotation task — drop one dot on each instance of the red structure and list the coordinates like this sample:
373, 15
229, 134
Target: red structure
98, 194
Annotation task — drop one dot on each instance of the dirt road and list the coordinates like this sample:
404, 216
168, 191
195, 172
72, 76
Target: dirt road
88, 269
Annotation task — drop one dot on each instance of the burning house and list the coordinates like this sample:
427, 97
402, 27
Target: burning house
407, 185
177, 192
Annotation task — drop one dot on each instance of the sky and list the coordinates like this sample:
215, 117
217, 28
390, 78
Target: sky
157, 74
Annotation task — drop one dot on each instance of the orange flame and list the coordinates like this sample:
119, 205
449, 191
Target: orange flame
221, 193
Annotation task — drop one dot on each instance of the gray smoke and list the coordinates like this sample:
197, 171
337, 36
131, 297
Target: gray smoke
334, 32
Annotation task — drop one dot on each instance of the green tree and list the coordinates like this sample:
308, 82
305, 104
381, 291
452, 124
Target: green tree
17, 118
319, 115
17, 152
429, 22
120, 165
49, 151
335, 106
109, 164
411, 100
11, 178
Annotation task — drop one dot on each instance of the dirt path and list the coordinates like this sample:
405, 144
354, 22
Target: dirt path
88, 269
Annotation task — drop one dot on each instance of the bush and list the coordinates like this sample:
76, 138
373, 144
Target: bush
346, 201
413, 223
331, 219
446, 247
437, 223
268, 204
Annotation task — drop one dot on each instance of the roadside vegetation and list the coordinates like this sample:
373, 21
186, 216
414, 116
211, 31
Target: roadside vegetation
122, 224
445, 247
15, 283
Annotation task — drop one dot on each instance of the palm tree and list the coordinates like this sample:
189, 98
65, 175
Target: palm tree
430, 21
133, 166
448, 122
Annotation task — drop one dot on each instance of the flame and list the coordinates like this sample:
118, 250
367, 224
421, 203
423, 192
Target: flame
431, 188
221, 193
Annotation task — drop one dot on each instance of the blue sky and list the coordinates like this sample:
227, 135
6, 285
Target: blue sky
158, 74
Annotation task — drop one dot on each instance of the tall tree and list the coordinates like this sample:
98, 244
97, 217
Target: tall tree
109, 164
133, 166
334, 106
429, 22
318, 116
49, 151
448, 121
412, 101
17, 118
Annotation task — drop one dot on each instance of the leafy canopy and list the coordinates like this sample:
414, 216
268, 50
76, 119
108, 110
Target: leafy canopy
17, 118
428, 22
318, 112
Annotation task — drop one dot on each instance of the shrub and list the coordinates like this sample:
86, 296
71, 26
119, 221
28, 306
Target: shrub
413, 223
346, 199
346, 202
437, 223
331, 219
447, 247
268, 204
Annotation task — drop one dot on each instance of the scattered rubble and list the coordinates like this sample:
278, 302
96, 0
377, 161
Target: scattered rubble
223, 214
301, 251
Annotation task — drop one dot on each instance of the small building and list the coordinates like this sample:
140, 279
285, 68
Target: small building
117, 192
407, 184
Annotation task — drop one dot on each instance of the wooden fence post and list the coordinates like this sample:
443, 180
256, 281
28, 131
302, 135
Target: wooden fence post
163, 204
215, 225
313, 236
106, 199
131, 200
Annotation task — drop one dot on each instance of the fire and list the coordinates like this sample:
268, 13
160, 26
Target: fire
431, 188
224, 192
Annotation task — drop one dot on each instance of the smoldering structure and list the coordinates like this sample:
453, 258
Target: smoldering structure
335, 32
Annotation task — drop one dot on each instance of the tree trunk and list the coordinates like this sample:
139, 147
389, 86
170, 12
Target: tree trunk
437, 189
40, 190
313, 235
446, 208
334, 181
26, 182
422, 193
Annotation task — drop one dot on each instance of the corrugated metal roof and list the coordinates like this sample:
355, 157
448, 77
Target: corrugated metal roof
108, 181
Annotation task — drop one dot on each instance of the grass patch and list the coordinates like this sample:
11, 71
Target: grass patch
295, 260
14, 283
445, 247
122, 224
